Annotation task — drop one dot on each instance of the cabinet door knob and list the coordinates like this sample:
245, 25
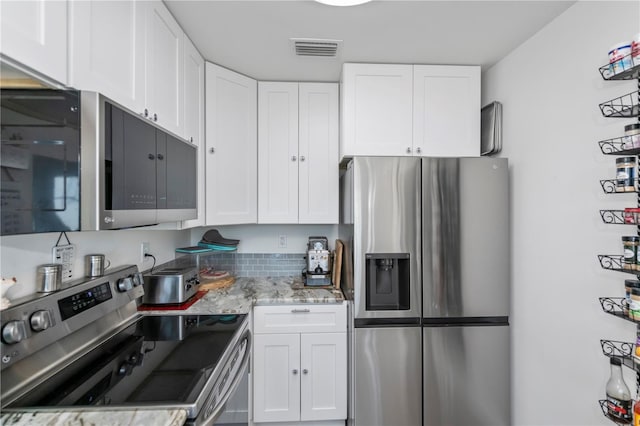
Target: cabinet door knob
160, 157
212, 150
191, 139
146, 112
305, 371
302, 158
295, 372
293, 158
152, 157
409, 150
419, 150
155, 117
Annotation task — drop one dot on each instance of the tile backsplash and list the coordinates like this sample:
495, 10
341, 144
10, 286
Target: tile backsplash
253, 264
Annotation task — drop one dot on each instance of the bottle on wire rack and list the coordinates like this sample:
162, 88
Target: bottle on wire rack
618, 394
636, 413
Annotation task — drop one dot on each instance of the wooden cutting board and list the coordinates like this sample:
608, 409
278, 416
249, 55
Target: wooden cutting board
337, 264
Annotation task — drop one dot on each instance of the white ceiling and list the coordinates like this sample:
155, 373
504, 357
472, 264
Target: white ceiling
252, 37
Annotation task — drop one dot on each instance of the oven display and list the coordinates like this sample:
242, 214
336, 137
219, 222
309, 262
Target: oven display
80, 302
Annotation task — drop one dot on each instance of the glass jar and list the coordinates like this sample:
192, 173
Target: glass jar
625, 174
630, 251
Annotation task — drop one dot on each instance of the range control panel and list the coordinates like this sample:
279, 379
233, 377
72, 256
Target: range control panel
33, 323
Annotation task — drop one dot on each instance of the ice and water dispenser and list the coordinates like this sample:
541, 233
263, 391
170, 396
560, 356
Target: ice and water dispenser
388, 280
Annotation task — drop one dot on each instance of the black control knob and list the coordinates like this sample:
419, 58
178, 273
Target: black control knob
125, 284
40, 320
14, 332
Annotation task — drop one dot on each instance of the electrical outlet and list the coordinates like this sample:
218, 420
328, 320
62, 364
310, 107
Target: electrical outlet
144, 249
282, 241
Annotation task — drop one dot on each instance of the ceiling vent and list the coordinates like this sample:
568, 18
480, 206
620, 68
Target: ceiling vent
315, 47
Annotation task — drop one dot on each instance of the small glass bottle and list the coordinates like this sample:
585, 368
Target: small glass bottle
636, 413
618, 394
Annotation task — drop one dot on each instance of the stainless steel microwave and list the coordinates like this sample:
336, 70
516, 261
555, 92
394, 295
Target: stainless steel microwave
133, 172
75, 160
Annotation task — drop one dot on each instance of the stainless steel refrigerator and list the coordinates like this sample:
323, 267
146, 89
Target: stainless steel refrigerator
429, 336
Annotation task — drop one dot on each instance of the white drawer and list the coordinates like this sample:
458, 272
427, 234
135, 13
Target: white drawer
308, 318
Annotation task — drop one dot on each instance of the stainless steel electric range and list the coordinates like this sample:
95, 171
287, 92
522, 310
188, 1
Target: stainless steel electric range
87, 347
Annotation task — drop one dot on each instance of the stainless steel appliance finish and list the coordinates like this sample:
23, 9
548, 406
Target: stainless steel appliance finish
86, 347
170, 286
387, 372
466, 375
134, 173
431, 290
386, 220
465, 237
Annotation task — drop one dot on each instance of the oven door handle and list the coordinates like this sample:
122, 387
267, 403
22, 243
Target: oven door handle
214, 407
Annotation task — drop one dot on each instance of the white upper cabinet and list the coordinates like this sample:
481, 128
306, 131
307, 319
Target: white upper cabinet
107, 50
277, 152
297, 152
231, 147
318, 171
376, 109
194, 119
193, 93
34, 34
416, 110
164, 44
446, 110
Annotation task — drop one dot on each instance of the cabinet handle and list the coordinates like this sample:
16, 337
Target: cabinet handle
409, 150
160, 157
146, 112
191, 139
295, 372
293, 158
155, 117
152, 157
212, 150
302, 158
305, 371
419, 150
300, 311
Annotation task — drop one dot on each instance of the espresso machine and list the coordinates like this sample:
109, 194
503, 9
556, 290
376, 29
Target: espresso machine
318, 262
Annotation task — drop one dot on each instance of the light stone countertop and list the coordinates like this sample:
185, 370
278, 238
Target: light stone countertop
247, 292
96, 418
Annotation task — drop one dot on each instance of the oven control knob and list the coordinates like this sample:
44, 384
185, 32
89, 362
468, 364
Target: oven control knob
125, 284
137, 279
14, 332
40, 320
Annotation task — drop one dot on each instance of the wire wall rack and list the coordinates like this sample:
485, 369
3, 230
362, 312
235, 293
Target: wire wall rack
623, 106
609, 186
618, 307
617, 146
615, 262
621, 350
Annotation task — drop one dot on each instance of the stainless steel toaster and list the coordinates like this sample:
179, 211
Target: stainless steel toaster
170, 286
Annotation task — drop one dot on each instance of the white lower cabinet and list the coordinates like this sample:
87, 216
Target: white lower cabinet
299, 364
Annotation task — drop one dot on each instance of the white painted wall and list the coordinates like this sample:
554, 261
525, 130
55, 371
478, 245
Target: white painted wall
21, 254
265, 238
550, 89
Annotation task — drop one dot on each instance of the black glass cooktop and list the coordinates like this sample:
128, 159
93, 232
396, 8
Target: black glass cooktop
158, 360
